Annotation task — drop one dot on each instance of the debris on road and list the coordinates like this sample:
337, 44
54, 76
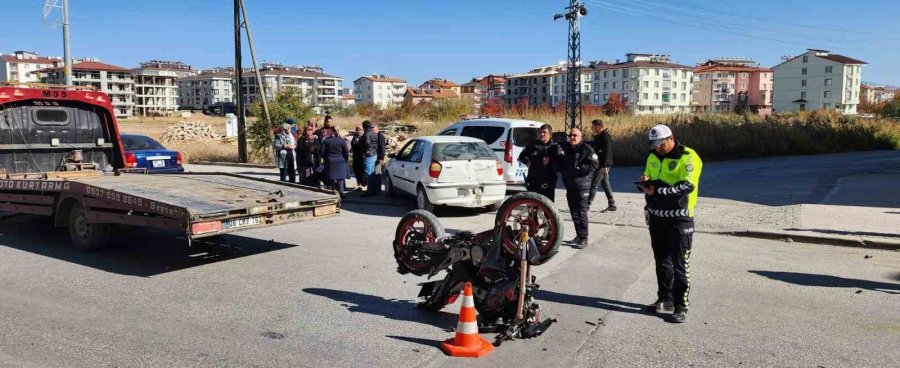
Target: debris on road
867, 256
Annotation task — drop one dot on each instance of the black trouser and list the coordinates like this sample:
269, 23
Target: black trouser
289, 171
544, 186
671, 240
578, 206
601, 179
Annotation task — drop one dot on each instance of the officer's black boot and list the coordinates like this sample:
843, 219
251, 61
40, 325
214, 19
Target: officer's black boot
660, 307
680, 315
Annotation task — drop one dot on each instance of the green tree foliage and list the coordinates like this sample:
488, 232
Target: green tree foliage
289, 103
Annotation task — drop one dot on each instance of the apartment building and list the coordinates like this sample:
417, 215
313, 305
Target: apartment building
876, 94
417, 96
732, 85
440, 84
317, 88
534, 87
379, 90
649, 84
817, 80
156, 87
558, 95
211, 89
482, 89
19, 67
115, 81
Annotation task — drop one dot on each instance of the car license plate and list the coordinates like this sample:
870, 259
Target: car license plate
241, 222
158, 163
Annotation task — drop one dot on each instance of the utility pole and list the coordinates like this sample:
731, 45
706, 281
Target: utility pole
573, 14
238, 85
66, 51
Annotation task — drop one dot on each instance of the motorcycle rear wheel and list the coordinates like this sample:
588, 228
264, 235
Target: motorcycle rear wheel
539, 214
416, 227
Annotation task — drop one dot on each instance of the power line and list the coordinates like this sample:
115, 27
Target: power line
767, 20
677, 9
621, 9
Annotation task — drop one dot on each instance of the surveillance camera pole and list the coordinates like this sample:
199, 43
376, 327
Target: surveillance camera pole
573, 14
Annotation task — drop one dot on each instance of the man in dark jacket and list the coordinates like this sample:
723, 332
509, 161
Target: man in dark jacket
603, 149
370, 143
579, 162
540, 157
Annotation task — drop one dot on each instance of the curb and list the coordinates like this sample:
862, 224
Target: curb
234, 164
830, 239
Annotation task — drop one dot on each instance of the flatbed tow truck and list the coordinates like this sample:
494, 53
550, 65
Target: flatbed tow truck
61, 156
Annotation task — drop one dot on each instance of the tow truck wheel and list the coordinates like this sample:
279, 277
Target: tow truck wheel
86, 236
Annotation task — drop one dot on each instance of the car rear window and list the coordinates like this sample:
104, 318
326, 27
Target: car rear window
462, 151
51, 116
140, 142
522, 136
489, 134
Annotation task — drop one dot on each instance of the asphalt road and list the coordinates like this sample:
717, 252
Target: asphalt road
325, 293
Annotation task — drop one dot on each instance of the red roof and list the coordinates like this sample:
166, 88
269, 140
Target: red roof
842, 59
40, 60
729, 68
382, 79
93, 65
639, 64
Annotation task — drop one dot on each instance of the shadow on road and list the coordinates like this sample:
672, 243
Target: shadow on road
808, 279
381, 205
132, 251
426, 342
592, 302
400, 310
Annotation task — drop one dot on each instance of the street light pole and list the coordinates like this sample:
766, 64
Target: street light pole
573, 14
238, 85
66, 51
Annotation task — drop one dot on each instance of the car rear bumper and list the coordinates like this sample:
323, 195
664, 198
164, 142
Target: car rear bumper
466, 194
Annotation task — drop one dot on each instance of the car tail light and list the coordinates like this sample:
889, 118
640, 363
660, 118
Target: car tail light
435, 169
206, 227
508, 154
499, 168
130, 160
178, 158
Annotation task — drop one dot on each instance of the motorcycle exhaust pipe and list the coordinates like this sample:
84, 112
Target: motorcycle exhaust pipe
523, 272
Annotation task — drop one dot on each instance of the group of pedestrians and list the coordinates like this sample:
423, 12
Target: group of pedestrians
670, 184
321, 157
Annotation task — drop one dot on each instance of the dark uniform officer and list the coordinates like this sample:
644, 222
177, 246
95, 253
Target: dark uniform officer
671, 183
541, 158
578, 163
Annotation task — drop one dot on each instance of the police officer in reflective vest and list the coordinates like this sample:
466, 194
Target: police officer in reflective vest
541, 158
670, 184
578, 164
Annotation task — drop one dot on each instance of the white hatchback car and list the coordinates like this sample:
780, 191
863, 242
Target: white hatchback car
506, 138
446, 170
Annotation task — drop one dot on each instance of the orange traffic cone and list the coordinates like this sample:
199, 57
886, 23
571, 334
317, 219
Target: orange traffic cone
467, 343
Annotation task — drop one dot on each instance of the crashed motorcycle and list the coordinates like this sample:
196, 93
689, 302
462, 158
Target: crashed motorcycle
527, 232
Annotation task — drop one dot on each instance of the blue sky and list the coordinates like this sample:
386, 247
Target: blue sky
461, 39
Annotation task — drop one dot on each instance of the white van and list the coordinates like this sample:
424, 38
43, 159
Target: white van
506, 137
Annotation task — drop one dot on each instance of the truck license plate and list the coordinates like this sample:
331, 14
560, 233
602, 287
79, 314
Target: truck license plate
241, 222
158, 163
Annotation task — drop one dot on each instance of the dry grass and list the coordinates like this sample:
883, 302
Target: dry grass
224, 150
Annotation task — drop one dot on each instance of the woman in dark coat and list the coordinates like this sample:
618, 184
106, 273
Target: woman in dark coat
308, 158
359, 154
335, 155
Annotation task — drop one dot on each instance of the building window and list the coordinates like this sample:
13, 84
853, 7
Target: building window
828, 69
656, 72
805, 58
605, 85
803, 71
614, 73
827, 94
605, 96
803, 95
615, 84
625, 73
656, 83
646, 96
827, 81
646, 84
605, 73
656, 96
803, 83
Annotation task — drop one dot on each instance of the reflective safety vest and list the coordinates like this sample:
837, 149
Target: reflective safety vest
677, 177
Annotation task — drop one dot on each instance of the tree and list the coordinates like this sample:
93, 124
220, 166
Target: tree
492, 107
289, 103
615, 105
